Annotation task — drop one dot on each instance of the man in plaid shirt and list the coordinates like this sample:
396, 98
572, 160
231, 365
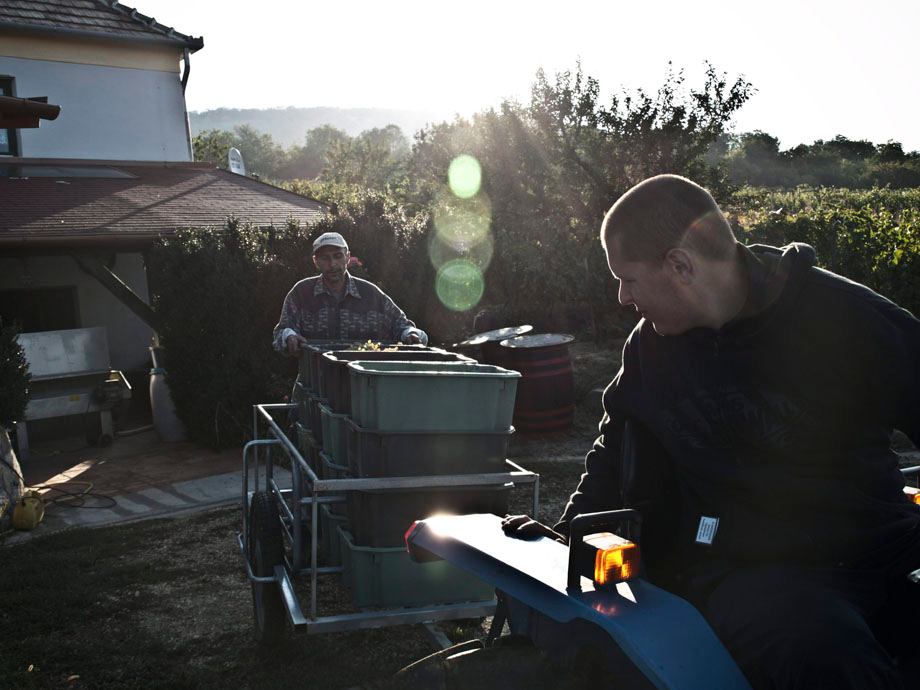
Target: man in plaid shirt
337, 306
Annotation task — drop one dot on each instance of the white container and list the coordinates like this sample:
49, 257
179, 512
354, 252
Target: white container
165, 420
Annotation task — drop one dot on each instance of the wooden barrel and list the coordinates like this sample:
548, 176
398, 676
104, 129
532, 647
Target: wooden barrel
545, 403
488, 345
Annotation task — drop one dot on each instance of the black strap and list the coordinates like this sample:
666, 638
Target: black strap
498, 620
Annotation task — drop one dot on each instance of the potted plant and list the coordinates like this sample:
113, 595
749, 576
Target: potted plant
15, 381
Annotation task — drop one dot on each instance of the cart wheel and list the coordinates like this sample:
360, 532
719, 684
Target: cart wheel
266, 550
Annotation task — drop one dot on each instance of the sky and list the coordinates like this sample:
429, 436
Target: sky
820, 67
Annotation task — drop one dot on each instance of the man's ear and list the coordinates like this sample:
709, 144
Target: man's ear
679, 264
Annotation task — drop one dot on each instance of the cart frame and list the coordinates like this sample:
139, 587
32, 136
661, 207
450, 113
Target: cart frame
294, 503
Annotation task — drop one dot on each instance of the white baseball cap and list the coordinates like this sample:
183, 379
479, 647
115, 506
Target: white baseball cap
329, 239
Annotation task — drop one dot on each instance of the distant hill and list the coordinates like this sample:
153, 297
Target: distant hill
289, 125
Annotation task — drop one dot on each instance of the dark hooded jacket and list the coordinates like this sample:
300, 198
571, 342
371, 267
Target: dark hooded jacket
777, 425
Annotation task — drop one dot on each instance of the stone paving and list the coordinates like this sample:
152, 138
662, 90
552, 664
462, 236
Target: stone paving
137, 477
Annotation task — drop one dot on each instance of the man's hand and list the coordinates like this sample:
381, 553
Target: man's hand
293, 344
525, 527
413, 339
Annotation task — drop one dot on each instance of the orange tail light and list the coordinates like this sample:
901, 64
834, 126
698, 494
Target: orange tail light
615, 560
914, 494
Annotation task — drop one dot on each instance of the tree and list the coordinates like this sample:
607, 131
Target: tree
307, 162
849, 149
756, 159
375, 159
212, 146
552, 168
890, 152
611, 148
261, 154
390, 138
840, 162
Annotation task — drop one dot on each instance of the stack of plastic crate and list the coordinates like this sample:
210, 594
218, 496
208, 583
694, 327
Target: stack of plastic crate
309, 431
331, 401
445, 416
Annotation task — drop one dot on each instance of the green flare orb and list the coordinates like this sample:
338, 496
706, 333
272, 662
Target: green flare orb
459, 284
464, 176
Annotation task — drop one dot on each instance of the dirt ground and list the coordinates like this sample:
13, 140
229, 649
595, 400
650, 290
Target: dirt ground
166, 603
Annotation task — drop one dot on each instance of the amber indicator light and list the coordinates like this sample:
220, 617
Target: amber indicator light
616, 559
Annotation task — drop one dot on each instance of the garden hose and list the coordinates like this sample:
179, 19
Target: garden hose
72, 496
68, 496
30, 509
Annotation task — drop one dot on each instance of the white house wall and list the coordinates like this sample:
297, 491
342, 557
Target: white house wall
107, 113
128, 336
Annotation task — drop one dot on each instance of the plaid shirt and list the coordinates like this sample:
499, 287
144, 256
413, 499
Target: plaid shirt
365, 313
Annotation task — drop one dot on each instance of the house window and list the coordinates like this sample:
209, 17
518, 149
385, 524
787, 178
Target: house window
40, 309
8, 141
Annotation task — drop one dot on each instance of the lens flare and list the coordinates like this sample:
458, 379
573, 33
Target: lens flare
461, 246
440, 251
459, 284
462, 221
464, 176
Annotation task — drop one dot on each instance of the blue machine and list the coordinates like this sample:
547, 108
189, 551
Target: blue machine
546, 597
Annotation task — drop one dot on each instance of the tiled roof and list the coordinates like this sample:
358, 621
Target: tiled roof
65, 203
105, 17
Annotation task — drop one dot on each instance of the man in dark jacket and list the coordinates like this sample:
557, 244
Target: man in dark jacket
768, 390
337, 306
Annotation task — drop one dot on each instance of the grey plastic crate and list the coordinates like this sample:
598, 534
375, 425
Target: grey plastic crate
388, 351
334, 427
380, 518
310, 370
334, 380
306, 365
304, 439
432, 396
314, 417
333, 470
330, 540
375, 453
302, 400
389, 577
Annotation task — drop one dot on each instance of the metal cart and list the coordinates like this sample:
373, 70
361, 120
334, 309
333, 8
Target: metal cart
275, 550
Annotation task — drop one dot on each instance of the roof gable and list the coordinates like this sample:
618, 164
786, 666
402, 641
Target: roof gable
105, 18
68, 203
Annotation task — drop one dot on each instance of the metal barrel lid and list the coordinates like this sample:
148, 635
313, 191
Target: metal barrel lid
496, 335
538, 340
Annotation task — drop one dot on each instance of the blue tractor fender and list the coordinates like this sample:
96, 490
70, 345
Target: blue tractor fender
664, 636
